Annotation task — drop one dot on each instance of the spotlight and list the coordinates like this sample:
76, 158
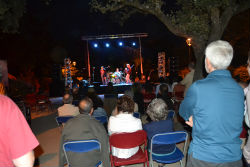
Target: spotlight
120, 44
95, 45
107, 45
133, 44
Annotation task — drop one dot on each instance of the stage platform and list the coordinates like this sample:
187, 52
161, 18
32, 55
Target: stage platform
118, 88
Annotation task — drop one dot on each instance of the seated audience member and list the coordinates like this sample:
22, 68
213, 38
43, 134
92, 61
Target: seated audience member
98, 108
163, 94
148, 95
158, 111
110, 99
157, 88
138, 97
17, 140
68, 109
188, 79
124, 121
84, 127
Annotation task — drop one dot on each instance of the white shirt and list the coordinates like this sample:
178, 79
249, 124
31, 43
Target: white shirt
68, 109
124, 122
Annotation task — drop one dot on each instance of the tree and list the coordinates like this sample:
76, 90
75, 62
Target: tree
11, 11
202, 20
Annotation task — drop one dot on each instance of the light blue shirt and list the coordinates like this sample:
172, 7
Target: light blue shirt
217, 106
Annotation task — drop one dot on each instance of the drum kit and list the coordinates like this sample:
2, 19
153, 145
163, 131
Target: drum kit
116, 77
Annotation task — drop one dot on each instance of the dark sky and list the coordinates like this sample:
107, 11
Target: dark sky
61, 25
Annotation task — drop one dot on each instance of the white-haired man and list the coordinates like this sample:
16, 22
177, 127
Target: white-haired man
214, 107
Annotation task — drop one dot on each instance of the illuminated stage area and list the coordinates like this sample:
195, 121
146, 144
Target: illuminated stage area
118, 88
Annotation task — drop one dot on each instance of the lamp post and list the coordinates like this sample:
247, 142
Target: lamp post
188, 41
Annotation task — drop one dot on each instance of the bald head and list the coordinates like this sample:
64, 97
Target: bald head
86, 106
67, 99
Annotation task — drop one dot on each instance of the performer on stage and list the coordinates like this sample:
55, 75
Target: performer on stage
128, 72
117, 76
103, 75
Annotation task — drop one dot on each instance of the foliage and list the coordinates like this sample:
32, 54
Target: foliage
10, 13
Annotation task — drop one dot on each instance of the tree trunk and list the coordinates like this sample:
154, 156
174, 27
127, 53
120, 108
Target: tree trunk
199, 52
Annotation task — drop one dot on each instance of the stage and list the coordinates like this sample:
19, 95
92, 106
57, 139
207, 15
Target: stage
118, 88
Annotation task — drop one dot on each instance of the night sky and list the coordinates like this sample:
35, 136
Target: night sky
60, 26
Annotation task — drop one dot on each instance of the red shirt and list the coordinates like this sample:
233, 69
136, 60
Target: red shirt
16, 137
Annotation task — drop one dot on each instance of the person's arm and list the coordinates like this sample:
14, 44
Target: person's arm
26, 160
188, 104
248, 103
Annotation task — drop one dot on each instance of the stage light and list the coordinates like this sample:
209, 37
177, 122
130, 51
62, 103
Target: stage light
107, 45
120, 44
133, 44
95, 45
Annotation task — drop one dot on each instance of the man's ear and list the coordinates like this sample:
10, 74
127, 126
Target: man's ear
91, 112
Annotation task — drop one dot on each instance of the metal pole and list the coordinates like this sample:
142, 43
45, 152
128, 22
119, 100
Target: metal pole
88, 60
141, 58
189, 58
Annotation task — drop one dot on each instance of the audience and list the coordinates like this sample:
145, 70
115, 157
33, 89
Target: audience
17, 140
68, 109
138, 97
148, 95
214, 107
163, 94
124, 121
158, 111
83, 127
188, 79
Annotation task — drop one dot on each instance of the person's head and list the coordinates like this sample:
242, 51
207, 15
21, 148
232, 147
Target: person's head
219, 55
86, 106
157, 110
128, 65
67, 99
163, 89
101, 67
117, 69
125, 104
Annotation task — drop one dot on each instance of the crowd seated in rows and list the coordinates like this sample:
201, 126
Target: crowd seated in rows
68, 109
124, 121
158, 111
84, 127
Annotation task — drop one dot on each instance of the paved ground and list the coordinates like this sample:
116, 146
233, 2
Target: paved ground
45, 128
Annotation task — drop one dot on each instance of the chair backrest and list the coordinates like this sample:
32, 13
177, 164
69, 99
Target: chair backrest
80, 146
128, 140
171, 114
63, 119
102, 119
137, 115
169, 138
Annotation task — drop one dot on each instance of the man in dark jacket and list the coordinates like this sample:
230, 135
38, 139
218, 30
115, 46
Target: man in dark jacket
84, 127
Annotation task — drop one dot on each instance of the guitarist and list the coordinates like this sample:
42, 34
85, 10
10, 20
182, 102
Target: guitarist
128, 71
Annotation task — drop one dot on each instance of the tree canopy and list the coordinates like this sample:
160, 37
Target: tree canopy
202, 20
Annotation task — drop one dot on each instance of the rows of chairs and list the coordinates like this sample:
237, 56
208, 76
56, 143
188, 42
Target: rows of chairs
130, 140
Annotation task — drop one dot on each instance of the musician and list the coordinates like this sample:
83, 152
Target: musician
117, 76
128, 73
103, 75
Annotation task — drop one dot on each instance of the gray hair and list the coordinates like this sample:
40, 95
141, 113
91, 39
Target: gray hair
85, 105
67, 99
220, 54
157, 110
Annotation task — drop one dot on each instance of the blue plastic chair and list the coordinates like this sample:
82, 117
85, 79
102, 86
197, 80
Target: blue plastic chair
168, 138
137, 115
63, 119
81, 146
102, 119
171, 114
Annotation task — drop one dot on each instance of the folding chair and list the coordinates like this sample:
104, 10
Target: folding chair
168, 138
126, 141
63, 119
137, 115
171, 114
81, 146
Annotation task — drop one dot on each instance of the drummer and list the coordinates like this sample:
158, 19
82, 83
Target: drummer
117, 74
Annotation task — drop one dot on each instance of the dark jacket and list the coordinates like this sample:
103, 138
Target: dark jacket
83, 127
